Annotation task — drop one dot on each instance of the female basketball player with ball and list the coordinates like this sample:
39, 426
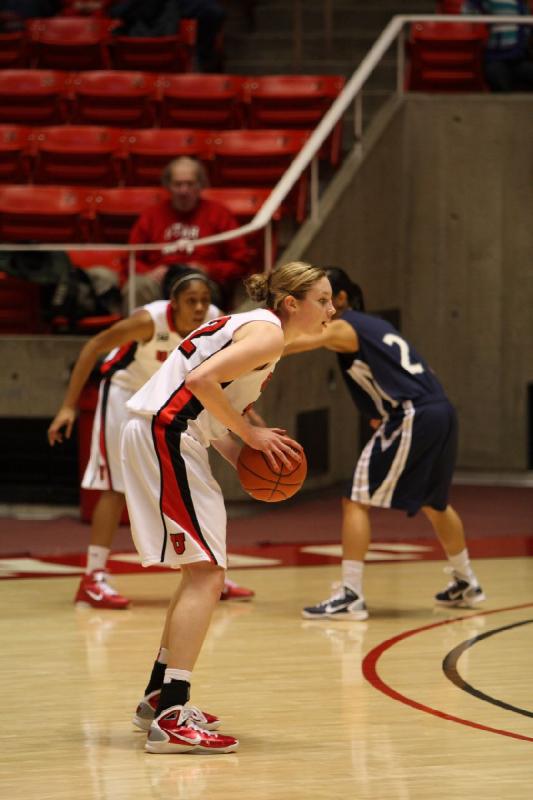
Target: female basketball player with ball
408, 462
198, 398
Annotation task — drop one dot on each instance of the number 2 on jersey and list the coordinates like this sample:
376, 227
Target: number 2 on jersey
188, 347
413, 368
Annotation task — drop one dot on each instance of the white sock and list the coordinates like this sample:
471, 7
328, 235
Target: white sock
177, 675
352, 576
162, 656
96, 558
461, 564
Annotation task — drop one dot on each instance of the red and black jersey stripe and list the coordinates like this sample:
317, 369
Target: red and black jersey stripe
124, 356
180, 407
102, 442
175, 496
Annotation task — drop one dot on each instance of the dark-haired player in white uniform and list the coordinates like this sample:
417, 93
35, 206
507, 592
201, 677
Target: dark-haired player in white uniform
137, 346
409, 461
176, 508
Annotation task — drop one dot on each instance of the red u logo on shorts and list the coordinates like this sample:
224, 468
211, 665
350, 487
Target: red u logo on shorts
178, 543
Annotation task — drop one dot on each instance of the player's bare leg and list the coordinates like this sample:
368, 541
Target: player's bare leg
356, 531
106, 517
448, 527
190, 614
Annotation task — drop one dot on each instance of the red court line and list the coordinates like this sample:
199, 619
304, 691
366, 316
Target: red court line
370, 672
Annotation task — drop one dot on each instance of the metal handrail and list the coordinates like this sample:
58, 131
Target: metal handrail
394, 30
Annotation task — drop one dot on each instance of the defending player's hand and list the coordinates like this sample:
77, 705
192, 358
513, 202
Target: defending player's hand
275, 444
65, 418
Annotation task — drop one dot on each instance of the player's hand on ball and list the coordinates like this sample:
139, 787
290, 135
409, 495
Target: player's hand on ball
275, 444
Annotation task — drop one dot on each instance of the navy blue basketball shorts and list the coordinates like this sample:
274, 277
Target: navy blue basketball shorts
409, 461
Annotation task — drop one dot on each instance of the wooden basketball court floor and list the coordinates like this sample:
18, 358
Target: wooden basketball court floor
413, 703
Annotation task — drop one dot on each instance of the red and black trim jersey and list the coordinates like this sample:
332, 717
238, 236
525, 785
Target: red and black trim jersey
167, 396
119, 359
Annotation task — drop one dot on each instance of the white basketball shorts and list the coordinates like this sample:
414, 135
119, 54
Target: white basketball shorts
175, 505
104, 469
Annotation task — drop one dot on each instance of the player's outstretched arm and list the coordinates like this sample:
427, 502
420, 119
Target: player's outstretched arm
138, 327
338, 336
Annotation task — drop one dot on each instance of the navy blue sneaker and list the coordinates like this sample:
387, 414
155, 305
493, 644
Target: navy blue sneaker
460, 593
345, 604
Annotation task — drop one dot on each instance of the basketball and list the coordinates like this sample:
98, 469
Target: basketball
264, 483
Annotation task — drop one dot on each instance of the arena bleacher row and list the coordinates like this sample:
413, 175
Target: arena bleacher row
89, 119
87, 42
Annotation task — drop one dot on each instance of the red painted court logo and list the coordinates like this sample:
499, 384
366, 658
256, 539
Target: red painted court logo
178, 543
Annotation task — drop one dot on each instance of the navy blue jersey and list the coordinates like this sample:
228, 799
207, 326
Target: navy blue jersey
386, 370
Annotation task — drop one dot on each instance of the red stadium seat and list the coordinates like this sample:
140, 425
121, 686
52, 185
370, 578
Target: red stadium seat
42, 214
150, 150
115, 211
295, 101
108, 97
259, 159
446, 57
33, 97
14, 153
158, 53
20, 306
70, 43
78, 154
13, 50
201, 101
244, 205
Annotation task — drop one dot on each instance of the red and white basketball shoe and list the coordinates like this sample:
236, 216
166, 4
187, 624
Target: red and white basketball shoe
174, 731
95, 591
145, 713
232, 591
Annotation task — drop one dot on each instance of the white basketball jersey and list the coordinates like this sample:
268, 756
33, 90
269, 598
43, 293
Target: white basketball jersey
131, 365
166, 395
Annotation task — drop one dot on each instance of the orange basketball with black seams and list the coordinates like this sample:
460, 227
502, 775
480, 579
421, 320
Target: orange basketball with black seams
264, 483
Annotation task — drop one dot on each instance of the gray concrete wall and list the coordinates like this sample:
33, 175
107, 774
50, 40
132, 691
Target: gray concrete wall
468, 262
34, 372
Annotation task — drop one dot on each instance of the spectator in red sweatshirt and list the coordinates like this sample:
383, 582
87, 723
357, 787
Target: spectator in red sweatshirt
187, 215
